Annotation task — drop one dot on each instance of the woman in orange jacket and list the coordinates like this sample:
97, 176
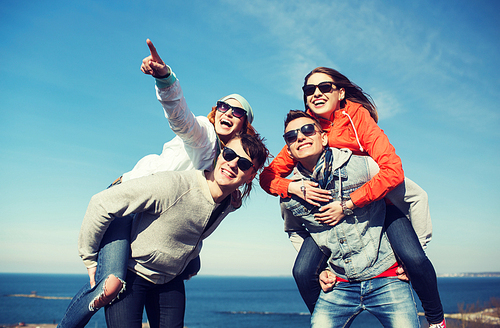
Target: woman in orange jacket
349, 116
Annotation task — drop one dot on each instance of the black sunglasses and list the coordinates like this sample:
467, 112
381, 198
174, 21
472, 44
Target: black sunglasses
307, 130
323, 87
243, 163
223, 107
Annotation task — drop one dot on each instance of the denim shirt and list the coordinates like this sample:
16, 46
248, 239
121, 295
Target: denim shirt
358, 247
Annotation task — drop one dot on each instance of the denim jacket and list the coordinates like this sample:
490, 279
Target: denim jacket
358, 247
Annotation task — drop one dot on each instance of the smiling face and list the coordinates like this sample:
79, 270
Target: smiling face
226, 124
227, 174
306, 149
323, 104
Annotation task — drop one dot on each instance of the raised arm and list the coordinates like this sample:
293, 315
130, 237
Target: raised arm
153, 64
198, 133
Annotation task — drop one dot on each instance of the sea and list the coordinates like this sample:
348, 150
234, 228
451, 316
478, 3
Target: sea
241, 302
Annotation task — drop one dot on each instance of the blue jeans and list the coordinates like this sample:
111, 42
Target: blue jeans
308, 265
165, 304
112, 260
310, 262
390, 300
418, 267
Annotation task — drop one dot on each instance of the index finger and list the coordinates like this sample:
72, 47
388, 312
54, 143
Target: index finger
152, 49
310, 201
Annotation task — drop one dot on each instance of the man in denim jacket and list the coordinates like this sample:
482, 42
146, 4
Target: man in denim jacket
359, 252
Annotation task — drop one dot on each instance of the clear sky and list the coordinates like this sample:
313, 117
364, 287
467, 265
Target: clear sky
76, 111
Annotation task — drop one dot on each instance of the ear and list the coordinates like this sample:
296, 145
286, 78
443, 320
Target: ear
324, 139
341, 94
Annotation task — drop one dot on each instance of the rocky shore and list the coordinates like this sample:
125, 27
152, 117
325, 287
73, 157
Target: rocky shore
488, 316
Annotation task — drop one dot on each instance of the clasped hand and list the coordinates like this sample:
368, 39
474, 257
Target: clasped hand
330, 213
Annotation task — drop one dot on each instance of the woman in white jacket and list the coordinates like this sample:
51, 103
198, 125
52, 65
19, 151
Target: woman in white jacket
198, 143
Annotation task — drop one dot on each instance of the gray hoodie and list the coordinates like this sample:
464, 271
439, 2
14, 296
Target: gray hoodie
172, 211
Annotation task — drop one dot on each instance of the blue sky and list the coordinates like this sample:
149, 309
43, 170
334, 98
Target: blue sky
76, 111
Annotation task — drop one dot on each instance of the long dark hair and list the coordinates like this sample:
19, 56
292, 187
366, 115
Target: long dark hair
352, 92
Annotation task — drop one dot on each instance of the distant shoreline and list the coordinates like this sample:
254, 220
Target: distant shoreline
441, 275
34, 295
470, 274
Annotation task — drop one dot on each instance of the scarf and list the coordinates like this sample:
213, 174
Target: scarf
325, 173
322, 173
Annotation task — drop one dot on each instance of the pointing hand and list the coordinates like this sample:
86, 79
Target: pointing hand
153, 64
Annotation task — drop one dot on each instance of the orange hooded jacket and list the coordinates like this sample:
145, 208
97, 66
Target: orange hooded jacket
350, 127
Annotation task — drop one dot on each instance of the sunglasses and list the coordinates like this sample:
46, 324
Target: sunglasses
307, 130
243, 163
324, 87
223, 107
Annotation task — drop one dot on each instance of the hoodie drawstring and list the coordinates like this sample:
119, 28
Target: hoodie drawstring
355, 132
340, 185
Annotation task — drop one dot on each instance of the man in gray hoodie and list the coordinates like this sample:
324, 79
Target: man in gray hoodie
174, 212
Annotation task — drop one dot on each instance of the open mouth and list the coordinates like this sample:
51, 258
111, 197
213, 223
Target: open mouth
319, 102
305, 145
228, 173
226, 123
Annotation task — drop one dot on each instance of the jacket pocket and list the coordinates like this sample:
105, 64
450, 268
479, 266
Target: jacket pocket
299, 208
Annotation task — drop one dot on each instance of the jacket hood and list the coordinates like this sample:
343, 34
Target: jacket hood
343, 116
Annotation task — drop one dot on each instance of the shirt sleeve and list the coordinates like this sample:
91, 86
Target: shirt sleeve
180, 118
376, 143
273, 177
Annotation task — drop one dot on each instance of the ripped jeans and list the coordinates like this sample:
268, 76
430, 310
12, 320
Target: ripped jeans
112, 260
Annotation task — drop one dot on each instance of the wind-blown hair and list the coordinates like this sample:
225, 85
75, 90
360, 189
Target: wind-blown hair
254, 146
352, 92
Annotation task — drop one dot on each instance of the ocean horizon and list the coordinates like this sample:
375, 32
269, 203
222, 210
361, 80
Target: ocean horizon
216, 301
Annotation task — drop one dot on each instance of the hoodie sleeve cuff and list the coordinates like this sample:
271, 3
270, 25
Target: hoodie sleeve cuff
89, 263
167, 81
